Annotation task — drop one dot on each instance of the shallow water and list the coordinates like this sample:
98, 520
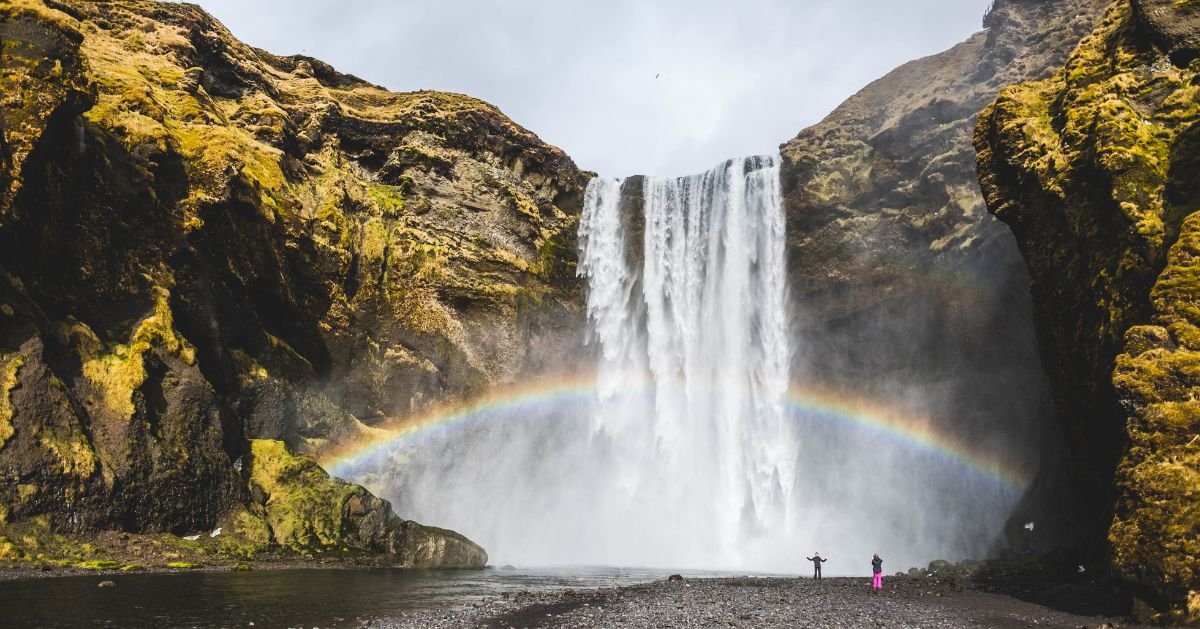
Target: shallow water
279, 598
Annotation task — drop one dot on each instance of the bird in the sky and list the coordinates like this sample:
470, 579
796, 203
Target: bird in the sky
657, 75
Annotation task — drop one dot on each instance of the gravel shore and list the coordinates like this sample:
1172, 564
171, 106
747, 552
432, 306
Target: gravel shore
759, 602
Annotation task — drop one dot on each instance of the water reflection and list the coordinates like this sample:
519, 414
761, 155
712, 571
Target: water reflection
277, 598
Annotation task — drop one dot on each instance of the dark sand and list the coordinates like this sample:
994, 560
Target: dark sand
754, 602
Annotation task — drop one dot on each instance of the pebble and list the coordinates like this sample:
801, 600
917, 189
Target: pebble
767, 603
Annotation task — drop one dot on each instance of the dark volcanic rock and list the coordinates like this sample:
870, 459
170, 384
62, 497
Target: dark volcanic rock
1095, 171
1173, 25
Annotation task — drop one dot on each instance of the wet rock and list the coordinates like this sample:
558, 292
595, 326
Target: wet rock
765, 603
106, 584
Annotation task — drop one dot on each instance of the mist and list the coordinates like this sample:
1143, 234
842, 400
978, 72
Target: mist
722, 429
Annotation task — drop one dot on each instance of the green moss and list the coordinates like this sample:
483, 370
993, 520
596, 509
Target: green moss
184, 565
115, 374
9, 366
245, 534
305, 508
68, 443
34, 542
8, 550
143, 98
100, 564
376, 238
1153, 534
388, 200
423, 156
1174, 294
38, 10
555, 256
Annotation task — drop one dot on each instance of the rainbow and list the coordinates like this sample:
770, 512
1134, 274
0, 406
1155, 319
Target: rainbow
912, 430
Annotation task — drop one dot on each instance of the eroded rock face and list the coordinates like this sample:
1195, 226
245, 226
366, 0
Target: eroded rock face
1173, 25
1095, 172
202, 243
906, 289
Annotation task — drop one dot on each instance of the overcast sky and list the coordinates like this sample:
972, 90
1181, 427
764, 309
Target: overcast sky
735, 77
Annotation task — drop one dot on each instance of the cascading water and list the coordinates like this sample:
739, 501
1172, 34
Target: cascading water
693, 357
690, 451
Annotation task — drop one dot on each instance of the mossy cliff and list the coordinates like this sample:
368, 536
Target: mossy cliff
298, 506
202, 244
1095, 171
905, 289
294, 510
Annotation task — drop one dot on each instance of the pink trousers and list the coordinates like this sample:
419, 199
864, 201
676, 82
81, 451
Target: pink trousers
877, 581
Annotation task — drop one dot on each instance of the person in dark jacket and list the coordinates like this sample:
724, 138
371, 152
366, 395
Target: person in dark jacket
876, 573
817, 561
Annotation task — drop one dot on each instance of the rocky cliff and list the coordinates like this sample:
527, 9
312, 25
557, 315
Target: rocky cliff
906, 289
203, 244
1095, 171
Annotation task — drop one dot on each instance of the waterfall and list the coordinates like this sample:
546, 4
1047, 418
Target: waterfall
689, 450
693, 356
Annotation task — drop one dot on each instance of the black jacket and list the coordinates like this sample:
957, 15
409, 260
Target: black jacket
876, 565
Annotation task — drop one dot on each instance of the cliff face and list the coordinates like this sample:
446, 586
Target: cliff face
1095, 170
905, 287
202, 244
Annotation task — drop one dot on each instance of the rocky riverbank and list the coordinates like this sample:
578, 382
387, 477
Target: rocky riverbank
928, 602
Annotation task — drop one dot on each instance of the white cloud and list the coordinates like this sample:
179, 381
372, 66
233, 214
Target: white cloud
737, 77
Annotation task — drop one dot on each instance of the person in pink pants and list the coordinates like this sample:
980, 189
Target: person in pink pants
876, 573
